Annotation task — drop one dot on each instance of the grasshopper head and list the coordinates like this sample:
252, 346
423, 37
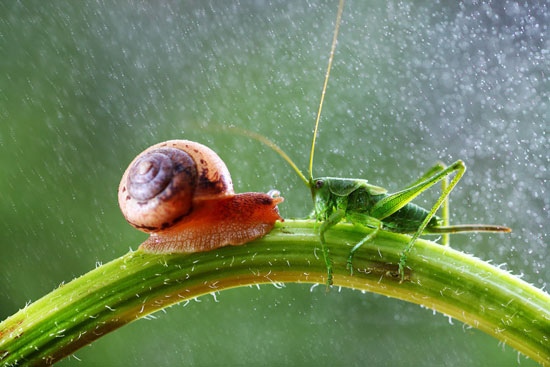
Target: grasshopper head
321, 194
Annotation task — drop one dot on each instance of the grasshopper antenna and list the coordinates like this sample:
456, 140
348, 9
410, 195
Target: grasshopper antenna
333, 47
269, 143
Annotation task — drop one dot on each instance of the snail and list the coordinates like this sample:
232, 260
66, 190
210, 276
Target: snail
181, 193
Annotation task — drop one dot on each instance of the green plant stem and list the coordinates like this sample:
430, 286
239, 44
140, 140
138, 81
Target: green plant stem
139, 283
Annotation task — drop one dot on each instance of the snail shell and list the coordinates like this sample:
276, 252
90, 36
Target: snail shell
181, 192
160, 184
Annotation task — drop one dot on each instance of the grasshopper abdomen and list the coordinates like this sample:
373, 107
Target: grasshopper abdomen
408, 219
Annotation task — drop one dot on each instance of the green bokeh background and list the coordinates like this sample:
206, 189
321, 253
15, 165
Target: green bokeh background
85, 86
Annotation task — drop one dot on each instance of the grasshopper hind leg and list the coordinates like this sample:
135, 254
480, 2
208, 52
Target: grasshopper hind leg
457, 167
437, 168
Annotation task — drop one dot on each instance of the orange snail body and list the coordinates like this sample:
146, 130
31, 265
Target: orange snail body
181, 193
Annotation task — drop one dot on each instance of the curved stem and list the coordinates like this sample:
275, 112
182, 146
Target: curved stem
139, 283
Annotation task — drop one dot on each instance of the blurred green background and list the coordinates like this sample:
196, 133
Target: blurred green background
86, 86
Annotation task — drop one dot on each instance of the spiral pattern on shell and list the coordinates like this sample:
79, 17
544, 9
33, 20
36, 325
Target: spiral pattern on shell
160, 173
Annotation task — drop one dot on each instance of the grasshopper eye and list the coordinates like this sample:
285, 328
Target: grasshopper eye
319, 184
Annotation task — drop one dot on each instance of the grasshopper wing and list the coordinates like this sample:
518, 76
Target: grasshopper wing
345, 186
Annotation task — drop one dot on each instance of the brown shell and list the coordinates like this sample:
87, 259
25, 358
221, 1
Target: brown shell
161, 184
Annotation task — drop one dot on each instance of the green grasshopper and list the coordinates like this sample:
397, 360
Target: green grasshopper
355, 200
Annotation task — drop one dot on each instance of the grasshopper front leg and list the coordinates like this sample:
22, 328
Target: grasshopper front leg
333, 219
